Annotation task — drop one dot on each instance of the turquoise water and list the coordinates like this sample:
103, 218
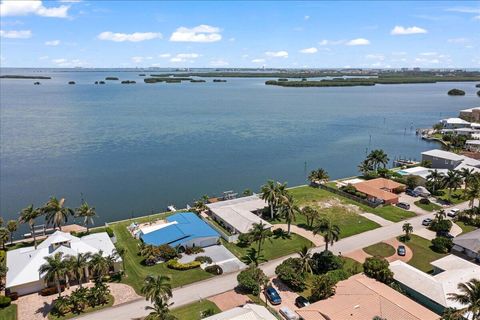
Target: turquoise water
133, 149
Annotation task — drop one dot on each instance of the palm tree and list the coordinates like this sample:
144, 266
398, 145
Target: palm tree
311, 214
329, 231
365, 167
467, 175
435, 178
56, 213
269, 194
87, 213
120, 252
306, 259
12, 226
78, 264
378, 158
319, 175
199, 206
407, 228
28, 215
470, 297
99, 265
288, 210
157, 287
159, 311
259, 233
452, 181
54, 269
440, 215
4, 236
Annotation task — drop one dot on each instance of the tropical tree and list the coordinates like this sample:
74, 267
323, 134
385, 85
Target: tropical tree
12, 226
472, 192
157, 287
28, 215
199, 206
467, 174
87, 213
4, 236
305, 260
378, 158
319, 175
120, 252
269, 193
288, 210
78, 264
323, 287
54, 269
329, 231
247, 192
407, 228
311, 214
259, 233
440, 215
56, 213
435, 178
470, 297
159, 311
365, 167
99, 265
452, 181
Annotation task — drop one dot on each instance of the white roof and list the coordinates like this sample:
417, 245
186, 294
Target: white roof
473, 142
470, 240
23, 264
238, 212
464, 130
247, 312
469, 110
454, 121
438, 286
421, 171
148, 229
443, 154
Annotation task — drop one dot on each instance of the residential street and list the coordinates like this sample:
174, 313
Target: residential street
217, 285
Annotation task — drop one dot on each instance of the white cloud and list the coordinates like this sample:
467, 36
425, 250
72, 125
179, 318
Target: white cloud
138, 59
258, 60
309, 50
400, 30
201, 33
358, 42
427, 61
65, 63
399, 53
428, 54
306, 17
164, 55
244, 56
330, 42
132, 37
375, 57
464, 9
476, 18
15, 34
232, 39
219, 63
277, 54
27, 7
184, 57
52, 43
43, 58
70, 1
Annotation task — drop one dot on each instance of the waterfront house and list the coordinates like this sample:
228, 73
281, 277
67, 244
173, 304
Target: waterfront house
432, 290
468, 244
360, 297
448, 160
472, 145
247, 312
454, 123
380, 190
181, 230
420, 173
23, 276
471, 114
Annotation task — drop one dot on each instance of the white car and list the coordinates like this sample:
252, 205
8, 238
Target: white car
288, 314
453, 213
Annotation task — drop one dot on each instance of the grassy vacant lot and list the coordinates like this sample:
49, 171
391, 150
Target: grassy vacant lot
429, 207
380, 249
465, 227
73, 315
136, 271
456, 198
422, 253
272, 248
194, 310
9, 313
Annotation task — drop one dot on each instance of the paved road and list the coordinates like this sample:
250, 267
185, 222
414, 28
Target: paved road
204, 289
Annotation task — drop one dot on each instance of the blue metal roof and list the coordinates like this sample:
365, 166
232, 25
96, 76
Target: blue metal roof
189, 226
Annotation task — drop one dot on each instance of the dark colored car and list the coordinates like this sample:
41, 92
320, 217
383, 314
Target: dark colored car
301, 302
401, 251
403, 205
411, 192
427, 222
444, 234
273, 296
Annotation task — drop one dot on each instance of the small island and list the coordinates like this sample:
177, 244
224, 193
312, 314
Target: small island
36, 83
219, 80
456, 92
165, 79
128, 81
10, 76
71, 82
142, 75
111, 78
197, 80
173, 81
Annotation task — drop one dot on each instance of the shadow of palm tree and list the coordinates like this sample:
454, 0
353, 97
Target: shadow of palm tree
281, 234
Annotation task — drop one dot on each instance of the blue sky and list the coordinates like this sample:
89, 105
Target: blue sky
80, 33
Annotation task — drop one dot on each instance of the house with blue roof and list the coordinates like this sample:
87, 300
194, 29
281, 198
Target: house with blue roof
184, 229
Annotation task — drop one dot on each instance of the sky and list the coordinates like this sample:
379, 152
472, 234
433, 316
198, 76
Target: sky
277, 34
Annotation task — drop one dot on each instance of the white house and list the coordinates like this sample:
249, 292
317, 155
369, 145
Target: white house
247, 312
23, 276
472, 145
454, 123
468, 244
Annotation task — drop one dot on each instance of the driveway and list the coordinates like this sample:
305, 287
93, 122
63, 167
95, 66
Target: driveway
220, 256
288, 296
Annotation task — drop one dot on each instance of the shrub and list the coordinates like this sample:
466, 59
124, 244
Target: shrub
193, 250
442, 245
166, 252
377, 268
251, 279
109, 231
424, 201
325, 261
245, 239
5, 301
339, 275
204, 259
50, 290
289, 271
216, 270
323, 286
175, 265
441, 226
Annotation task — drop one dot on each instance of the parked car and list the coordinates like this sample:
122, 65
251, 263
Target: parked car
288, 314
273, 296
453, 213
411, 192
301, 302
403, 205
427, 222
401, 251
444, 234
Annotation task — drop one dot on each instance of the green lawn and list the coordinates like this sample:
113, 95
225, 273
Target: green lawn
9, 313
429, 207
273, 248
465, 227
87, 310
456, 198
194, 310
380, 249
422, 254
136, 272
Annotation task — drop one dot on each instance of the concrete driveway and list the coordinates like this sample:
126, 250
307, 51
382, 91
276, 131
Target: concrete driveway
220, 256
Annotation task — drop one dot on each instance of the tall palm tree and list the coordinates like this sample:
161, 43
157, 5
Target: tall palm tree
319, 175
56, 212
306, 259
288, 210
378, 158
87, 213
407, 228
12, 226
78, 264
311, 214
54, 269
470, 297
157, 287
269, 194
4, 236
472, 192
28, 215
467, 175
435, 178
259, 233
440, 215
365, 167
452, 181
99, 265
159, 311
329, 231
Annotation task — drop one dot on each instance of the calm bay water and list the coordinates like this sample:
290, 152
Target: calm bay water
133, 149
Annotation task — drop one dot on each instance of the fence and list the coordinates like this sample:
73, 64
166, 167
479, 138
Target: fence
348, 195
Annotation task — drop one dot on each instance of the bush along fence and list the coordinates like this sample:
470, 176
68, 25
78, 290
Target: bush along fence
347, 195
